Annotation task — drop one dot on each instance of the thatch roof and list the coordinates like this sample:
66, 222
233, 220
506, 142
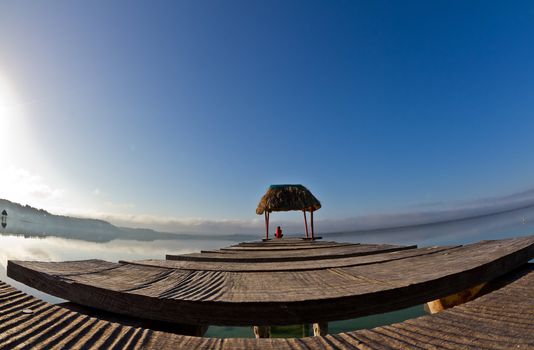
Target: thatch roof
287, 197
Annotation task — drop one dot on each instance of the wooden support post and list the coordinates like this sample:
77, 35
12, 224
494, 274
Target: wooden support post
262, 331
447, 302
320, 328
305, 223
311, 220
266, 225
201, 330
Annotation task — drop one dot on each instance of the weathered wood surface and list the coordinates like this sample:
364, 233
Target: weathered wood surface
275, 255
290, 244
286, 241
290, 265
501, 320
262, 297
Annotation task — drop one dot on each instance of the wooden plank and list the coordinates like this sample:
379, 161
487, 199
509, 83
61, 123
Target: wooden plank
288, 243
167, 327
284, 241
509, 325
269, 250
285, 247
299, 255
73, 267
502, 319
278, 297
289, 265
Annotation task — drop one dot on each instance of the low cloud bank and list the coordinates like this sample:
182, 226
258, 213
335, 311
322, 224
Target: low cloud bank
427, 214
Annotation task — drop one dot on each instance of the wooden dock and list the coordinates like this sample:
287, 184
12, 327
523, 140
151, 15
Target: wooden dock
277, 282
500, 320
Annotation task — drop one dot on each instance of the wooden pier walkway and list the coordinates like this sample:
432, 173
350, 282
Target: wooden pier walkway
500, 320
277, 282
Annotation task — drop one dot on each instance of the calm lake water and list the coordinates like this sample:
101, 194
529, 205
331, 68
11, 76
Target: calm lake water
511, 224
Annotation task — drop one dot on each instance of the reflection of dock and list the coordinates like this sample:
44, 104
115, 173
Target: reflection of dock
265, 284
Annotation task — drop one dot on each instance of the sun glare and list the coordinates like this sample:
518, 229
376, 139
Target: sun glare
10, 114
23, 178
12, 142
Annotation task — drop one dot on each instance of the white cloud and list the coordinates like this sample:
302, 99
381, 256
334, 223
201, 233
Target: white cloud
22, 186
171, 224
119, 206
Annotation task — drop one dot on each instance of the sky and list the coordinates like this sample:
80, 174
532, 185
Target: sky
188, 110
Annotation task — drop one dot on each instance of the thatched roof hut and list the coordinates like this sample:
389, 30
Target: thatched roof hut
286, 198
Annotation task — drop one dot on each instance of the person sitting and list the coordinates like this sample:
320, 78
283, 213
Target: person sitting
278, 233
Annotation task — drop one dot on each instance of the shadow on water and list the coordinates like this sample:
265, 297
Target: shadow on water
298, 331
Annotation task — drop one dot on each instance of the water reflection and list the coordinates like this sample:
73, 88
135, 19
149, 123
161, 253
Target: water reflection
498, 226
13, 247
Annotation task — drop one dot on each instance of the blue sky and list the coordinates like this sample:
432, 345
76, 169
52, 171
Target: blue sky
190, 109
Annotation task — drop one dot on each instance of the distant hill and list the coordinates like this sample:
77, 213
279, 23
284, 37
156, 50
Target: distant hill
32, 222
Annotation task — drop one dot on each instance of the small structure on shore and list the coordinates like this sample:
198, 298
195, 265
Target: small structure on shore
4, 218
286, 198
